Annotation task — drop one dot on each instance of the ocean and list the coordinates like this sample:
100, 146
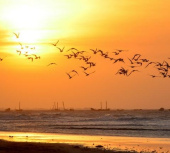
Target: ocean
130, 123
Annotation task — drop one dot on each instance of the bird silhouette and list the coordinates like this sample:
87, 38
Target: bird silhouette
121, 50
162, 69
71, 49
166, 64
18, 51
149, 64
136, 57
32, 48
130, 61
34, 55
91, 64
105, 55
102, 53
55, 43
85, 58
26, 54
75, 72
68, 56
17, 35
159, 64
37, 57
81, 52
61, 49
164, 74
133, 66
21, 46
122, 71
94, 51
154, 76
85, 68
132, 72
70, 77
51, 64
116, 53
139, 63
87, 74
31, 58
111, 58
144, 60
119, 59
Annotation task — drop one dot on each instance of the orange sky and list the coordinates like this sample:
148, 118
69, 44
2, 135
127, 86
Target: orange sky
138, 26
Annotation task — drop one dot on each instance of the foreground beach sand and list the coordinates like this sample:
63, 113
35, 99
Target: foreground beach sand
32, 147
65, 143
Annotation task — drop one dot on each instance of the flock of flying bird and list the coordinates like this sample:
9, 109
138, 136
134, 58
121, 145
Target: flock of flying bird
133, 63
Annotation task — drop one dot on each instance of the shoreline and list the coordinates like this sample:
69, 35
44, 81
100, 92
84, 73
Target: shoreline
34, 147
115, 143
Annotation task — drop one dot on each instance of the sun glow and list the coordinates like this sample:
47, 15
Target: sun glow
25, 17
29, 36
27, 20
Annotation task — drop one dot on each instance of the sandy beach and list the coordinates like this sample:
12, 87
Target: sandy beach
27, 147
40, 142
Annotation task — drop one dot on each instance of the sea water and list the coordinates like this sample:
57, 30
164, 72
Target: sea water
130, 123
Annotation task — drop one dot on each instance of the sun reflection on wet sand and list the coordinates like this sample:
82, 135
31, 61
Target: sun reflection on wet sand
109, 142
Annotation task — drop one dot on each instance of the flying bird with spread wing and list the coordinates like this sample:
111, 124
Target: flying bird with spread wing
70, 77
55, 43
51, 64
16, 35
87, 74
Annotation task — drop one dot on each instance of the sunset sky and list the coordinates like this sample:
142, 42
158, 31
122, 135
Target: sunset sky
138, 26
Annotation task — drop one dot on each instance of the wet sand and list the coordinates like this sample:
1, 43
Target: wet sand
62, 143
32, 147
